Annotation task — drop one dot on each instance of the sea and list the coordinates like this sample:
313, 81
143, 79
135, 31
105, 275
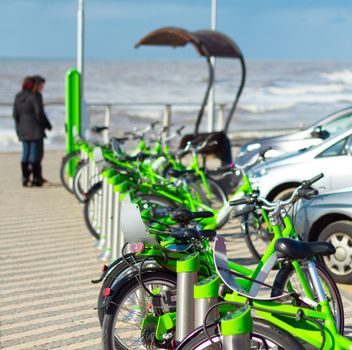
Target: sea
277, 94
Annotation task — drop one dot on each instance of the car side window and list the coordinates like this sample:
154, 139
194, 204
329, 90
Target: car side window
338, 125
338, 149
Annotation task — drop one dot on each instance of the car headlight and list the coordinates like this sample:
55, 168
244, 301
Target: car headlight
253, 146
244, 149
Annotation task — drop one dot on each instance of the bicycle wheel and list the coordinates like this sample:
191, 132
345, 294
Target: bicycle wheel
123, 322
157, 201
264, 336
64, 178
91, 209
256, 236
219, 197
79, 188
118, 272
287, 279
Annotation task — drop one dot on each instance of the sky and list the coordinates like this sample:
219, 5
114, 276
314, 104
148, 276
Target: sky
263, 29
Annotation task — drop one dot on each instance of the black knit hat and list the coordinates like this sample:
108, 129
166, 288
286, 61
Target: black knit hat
38, 79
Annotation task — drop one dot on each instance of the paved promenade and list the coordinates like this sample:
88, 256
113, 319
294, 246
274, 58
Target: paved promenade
47, 262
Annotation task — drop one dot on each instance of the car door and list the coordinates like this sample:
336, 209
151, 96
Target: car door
337, 163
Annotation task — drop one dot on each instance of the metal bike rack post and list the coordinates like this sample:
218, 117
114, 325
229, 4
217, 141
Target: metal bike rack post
116, 229
92, 173
236, 328
105, 256
85, 156
97, 205
105, 207
187, 276
206, 294
100, 244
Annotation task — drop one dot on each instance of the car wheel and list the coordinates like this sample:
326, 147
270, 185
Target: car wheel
284, 194
339, 234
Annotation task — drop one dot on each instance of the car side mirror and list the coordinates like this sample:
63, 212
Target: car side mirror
319, 133
316, 133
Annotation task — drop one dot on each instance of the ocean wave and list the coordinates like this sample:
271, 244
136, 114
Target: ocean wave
306, 89
264, 108
343, 76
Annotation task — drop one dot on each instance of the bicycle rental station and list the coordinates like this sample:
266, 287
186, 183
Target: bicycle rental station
168, 282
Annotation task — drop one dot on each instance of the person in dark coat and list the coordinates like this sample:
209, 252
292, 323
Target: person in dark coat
31, 123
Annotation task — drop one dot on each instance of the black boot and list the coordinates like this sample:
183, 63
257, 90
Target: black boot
37, 174
25, 173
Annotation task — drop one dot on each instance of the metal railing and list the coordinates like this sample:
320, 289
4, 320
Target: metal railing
167, 111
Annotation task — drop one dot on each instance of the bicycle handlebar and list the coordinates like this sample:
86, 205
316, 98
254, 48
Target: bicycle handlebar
311, 181
302, 191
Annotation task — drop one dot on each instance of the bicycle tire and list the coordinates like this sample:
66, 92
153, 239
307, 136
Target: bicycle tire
254, 238
159, 200
329, 284
220, 196
263, 331
78, 191
117, 272
94, 191
63, 174
112, 340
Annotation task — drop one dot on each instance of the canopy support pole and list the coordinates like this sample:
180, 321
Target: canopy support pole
211, 101
80, 65
206, 97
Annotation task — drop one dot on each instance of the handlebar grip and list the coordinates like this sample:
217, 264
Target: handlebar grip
240, 201
98, 129
180, 129
313, 180
154, 123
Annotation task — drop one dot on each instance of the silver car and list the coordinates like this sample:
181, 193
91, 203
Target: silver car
277, 178
313, 135
328, 217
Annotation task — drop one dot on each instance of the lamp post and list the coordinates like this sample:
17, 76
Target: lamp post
211, 100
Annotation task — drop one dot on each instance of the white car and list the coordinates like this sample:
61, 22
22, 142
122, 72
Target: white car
330, 126
277, 178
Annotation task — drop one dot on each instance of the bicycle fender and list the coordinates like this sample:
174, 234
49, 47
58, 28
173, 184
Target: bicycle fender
120, 283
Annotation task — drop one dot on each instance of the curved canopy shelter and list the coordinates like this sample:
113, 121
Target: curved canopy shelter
207, 43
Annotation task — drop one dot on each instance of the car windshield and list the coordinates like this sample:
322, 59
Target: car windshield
338, 125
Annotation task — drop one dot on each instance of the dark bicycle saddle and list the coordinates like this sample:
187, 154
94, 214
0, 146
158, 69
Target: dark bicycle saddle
303, 250
184, 216
189, 234
178, 173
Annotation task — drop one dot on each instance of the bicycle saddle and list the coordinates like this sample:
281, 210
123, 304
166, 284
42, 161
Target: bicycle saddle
303, 250
184, 216
186, 235
120, 139
178, 173
98, 129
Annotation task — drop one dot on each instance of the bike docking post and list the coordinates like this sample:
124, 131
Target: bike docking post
117, 236
105, 207
206, 293
187, 276
86, 173
106, 255
236, 328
